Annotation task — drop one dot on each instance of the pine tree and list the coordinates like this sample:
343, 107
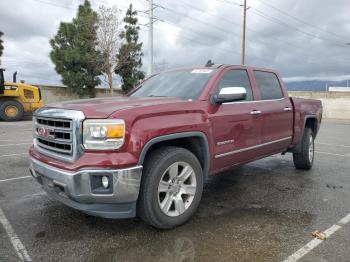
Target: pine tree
1, 45
74, 52
129, 58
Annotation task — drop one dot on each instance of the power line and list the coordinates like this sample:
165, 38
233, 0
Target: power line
180, 14
291, 27
211, 25
206, 12
302, 21
151, 20
168, 9
278, 40
191, 39
216, 27
282, 23
200, 22
231, 22
194, 19
199, 33
223, 50
229, 2
204, 43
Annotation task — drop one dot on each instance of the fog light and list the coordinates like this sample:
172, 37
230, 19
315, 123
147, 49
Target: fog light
105, 181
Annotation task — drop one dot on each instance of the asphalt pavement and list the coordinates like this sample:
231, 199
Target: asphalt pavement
263, 211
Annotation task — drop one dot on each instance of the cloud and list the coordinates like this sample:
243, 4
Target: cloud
191, 32
337, 78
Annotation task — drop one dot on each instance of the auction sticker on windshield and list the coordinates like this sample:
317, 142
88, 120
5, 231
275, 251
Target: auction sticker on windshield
201, 71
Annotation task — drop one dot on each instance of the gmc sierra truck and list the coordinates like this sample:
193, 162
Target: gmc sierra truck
147, 154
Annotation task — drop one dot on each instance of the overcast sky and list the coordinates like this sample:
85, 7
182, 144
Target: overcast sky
302, 39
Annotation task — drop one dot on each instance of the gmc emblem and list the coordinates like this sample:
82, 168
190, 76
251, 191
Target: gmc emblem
46, 132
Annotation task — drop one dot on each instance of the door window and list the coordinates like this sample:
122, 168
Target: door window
269, 85
237, 78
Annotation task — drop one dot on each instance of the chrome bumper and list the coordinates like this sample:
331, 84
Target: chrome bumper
78, 190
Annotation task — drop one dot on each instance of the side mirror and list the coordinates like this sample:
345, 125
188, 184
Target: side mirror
230, 94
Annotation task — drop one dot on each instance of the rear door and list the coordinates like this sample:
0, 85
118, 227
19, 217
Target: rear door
276, 113
235, 129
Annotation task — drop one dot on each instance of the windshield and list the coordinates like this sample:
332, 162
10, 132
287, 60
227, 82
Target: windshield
185, 84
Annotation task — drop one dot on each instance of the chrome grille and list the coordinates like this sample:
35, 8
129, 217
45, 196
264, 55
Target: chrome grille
55, 135
59, 123
58, 133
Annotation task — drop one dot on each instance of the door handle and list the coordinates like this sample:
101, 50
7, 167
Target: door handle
255, 112
287, 109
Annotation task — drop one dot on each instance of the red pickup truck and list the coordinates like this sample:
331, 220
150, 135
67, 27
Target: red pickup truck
147, 154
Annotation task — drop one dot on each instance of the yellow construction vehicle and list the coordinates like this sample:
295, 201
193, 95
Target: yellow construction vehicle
17, 99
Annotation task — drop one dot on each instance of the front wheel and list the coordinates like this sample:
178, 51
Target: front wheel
171, 188
305, 158
11, 110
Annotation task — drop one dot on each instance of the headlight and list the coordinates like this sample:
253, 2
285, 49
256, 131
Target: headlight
103, 134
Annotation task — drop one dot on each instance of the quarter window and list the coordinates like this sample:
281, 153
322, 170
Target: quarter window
237, 78
269, 85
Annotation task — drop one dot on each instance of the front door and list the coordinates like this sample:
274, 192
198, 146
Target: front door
235, 129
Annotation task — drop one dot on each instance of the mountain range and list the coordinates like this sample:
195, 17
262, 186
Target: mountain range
314, 85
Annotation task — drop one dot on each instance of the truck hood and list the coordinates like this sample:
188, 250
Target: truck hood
104, 107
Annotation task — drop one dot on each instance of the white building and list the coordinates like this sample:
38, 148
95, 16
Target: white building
339, 89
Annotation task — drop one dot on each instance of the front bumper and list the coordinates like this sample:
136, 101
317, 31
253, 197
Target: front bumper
78, 189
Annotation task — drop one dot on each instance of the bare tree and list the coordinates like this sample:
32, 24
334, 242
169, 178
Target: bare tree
109, 41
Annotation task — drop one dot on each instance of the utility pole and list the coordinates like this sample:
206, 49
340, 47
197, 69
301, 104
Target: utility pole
150, 39
244, 30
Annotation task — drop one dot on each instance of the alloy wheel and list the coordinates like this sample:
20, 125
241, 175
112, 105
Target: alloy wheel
176, 189
311, 148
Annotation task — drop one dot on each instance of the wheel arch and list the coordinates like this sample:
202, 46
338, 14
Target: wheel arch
196, 142
310, 121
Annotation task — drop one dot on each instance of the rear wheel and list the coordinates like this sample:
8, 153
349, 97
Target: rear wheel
305, 158
11, 110
171, 189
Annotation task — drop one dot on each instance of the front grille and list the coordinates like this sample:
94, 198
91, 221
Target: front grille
54, 135
58, 147
65, 124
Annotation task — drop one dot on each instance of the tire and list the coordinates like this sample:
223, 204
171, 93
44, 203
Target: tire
11, 110
305, 158
164, 203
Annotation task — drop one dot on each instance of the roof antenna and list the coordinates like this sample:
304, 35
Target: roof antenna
209, 63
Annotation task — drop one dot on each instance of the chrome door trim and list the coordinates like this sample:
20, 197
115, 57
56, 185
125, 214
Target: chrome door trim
254, 101
251, 147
